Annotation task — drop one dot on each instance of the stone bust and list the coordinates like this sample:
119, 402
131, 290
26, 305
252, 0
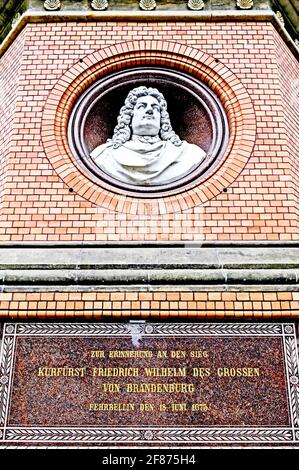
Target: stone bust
144, 149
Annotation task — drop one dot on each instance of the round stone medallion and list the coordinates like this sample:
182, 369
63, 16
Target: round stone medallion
196, 117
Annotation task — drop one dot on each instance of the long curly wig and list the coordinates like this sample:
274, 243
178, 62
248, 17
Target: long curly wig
122, 132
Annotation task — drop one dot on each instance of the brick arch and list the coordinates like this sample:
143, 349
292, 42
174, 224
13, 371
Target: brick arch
79, 77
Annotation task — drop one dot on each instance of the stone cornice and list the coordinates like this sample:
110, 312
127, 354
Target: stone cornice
157, 16
70, 267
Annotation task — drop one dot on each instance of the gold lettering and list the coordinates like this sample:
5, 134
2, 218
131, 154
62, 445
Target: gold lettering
238, 372
115, 372
160, 388
111, 388
130, 354
199, 354
178, 407
165, 372
99, 354
146, 407
162, 354
111, 407
41, 372
61, 371
178, 354
201, 372
199, 407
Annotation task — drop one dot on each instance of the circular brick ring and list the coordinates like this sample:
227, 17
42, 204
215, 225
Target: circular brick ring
78, 78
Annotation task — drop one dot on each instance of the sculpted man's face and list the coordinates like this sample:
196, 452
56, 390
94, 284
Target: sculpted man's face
146, 118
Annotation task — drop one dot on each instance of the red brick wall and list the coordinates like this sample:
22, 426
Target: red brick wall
149, 305
9, 78
289, 87
261, 202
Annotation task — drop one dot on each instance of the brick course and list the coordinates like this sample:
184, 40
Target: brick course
261, 202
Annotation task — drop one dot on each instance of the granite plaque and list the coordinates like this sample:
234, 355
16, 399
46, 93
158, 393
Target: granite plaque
149, 384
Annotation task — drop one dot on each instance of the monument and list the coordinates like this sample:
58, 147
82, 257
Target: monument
149, 258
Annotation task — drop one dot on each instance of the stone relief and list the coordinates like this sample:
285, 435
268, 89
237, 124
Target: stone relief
195, 4
147, 4
280, 17
52, 5
245, 4
99, 5
144, 149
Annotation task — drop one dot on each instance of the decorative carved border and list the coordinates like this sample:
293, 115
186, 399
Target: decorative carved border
200, 65
153, 435
292, 368
6, 370
148, 329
